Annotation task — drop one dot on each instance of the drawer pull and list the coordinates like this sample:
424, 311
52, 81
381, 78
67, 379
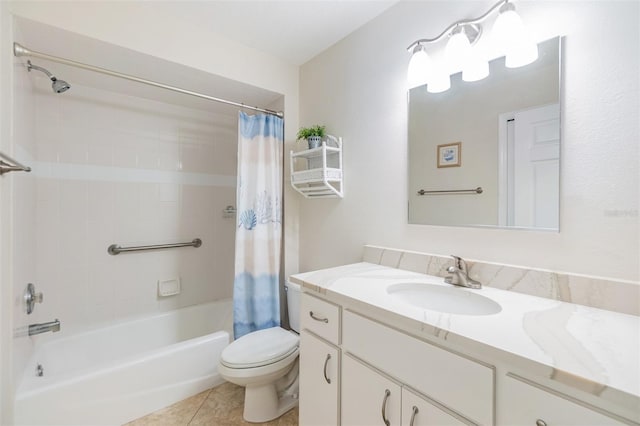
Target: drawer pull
326, 362
541, 422
413, 415
325, 320
387, 394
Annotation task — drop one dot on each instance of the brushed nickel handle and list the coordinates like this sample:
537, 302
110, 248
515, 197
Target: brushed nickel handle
541, 422
413, 415
31, 298
312, 315
326, 362
387, 394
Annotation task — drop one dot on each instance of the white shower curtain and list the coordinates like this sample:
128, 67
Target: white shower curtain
256, 302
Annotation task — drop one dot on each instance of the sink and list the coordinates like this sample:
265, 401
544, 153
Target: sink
447, 299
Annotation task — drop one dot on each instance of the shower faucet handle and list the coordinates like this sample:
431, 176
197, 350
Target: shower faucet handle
31, 297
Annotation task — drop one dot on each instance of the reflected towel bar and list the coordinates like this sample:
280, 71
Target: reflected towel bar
116, 249
8, 164
477, 190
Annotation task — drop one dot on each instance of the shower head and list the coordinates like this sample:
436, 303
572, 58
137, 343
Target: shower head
58, 86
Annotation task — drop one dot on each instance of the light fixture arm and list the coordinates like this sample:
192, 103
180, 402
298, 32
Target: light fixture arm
461, 22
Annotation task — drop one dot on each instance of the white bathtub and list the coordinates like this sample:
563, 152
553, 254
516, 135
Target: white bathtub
119, 373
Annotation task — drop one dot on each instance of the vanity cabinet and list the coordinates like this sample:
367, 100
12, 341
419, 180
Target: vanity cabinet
372, 398
461, 385
319, 362
368, 398
319, 381
523, 404
378, 371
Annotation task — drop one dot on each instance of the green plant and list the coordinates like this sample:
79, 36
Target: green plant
307, 132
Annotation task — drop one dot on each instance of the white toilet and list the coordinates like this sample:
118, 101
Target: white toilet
265, 362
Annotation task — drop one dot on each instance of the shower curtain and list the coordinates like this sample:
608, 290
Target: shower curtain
256, 302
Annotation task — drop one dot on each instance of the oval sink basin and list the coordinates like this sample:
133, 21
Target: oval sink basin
451, 300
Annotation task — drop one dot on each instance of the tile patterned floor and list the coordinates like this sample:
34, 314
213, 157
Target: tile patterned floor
220, 406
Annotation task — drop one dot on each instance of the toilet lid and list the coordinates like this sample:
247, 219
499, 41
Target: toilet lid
262, 347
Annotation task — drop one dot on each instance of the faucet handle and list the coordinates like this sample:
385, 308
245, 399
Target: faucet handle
459, 263
31, 297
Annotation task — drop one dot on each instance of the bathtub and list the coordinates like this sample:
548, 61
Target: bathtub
118, 373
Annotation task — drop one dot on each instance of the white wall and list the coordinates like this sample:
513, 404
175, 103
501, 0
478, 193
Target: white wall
357, 88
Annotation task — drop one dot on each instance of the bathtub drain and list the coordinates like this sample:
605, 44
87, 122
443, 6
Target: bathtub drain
39, 370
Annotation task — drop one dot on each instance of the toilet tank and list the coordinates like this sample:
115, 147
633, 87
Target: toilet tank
293, 305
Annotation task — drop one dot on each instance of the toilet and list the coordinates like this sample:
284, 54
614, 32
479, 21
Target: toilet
265, 362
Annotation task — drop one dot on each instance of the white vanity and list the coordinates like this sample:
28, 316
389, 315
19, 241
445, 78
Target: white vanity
372, 354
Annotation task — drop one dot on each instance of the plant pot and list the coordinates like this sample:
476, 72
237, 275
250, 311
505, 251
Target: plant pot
314, 141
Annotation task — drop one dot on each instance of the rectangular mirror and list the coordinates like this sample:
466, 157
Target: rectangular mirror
487, 153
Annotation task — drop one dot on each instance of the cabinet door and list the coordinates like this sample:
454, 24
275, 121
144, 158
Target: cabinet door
368, 398
522, 404
319, 381
417, 411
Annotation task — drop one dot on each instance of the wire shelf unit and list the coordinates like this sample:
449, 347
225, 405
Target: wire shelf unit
321, 173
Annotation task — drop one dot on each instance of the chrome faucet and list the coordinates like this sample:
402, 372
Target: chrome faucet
53, 326
460, 274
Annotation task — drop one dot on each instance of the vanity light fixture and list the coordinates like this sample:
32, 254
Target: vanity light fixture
462, 54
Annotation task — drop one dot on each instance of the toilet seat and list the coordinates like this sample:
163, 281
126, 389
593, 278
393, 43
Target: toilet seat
260, 348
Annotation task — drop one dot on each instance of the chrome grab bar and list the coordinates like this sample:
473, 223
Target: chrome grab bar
116, 249
477, 190
8, 164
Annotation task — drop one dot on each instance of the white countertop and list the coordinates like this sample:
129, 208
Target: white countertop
586, 347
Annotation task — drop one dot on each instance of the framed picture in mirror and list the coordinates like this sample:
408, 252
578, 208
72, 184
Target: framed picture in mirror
449, 154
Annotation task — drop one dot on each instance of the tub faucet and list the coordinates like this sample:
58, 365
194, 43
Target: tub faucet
53, 326
460, 275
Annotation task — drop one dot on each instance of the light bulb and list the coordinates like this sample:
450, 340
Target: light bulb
458, 50
508, 28
440, 80
420, 67
521, 54
476, 67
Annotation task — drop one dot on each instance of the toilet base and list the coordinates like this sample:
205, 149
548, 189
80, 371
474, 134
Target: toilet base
261, 403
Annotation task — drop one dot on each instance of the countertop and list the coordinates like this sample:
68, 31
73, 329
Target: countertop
591, 349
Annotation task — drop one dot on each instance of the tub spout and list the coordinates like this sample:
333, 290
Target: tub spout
52, 326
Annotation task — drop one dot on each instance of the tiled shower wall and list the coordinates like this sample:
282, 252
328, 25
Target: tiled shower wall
113, 168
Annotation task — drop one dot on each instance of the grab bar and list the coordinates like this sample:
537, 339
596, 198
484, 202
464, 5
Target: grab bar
477, 190
8, 164
116, 249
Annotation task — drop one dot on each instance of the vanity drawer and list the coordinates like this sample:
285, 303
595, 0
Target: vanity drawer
524, 404
320, 317
462, 385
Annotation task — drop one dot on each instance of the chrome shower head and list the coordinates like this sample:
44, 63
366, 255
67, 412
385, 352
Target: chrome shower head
58, 86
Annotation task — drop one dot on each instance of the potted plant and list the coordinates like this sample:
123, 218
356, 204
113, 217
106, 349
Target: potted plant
313, 135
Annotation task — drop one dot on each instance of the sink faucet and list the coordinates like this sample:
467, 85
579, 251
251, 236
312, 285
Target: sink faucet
460, 274
52, 326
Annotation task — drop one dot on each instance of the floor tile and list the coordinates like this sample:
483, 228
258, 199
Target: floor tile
219, 406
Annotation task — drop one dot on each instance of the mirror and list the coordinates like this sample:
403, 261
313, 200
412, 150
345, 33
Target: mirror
487, 153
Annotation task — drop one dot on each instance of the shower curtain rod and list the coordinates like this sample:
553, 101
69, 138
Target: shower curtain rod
19, 50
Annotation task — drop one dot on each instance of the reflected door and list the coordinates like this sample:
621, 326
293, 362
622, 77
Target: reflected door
530, 152
537, 167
